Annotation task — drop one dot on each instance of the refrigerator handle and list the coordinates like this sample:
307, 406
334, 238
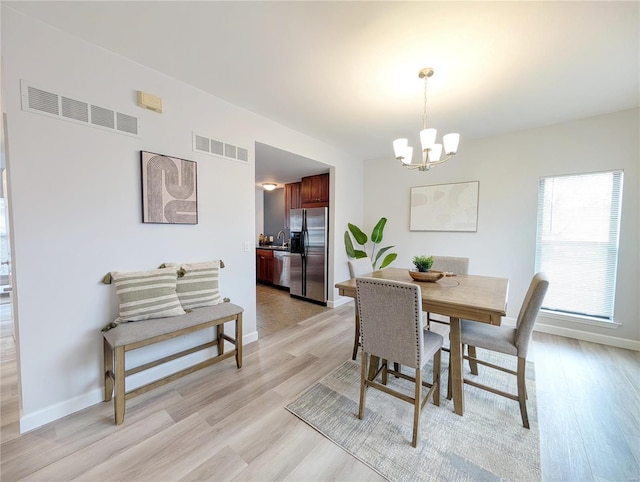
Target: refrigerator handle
305, 243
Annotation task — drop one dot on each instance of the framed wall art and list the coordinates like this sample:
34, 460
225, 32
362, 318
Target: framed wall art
445, 207
169, 189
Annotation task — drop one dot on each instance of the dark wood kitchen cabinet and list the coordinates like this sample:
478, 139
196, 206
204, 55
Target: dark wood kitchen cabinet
291, 200
264, 266
314, 191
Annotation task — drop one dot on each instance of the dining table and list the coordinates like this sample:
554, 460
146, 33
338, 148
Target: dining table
470, 297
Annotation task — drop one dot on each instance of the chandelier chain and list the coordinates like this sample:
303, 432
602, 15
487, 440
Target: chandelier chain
424, 111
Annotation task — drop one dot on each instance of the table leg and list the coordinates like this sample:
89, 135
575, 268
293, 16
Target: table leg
374, 363
456, 366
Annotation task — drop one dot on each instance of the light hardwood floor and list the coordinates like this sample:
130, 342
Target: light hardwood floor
276, 309
226, 424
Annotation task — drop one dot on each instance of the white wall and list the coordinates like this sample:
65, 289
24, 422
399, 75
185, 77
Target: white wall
75, 198
508, 168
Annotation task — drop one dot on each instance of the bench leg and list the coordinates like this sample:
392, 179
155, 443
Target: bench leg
119, 399
239, 340
220, 338
108, 370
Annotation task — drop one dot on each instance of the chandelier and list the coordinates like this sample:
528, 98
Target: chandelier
431, 151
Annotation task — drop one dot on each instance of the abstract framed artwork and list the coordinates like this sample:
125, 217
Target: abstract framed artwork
169, 189
445, 207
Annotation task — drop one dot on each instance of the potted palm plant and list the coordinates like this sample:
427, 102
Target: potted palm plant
361, 238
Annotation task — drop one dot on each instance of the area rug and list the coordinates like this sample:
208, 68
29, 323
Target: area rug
487, 443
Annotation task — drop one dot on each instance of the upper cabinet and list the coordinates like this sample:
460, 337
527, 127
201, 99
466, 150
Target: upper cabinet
291, 200
314, 191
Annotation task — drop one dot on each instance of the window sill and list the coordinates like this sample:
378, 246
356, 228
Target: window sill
584, 320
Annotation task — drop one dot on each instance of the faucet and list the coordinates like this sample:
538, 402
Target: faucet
283, 238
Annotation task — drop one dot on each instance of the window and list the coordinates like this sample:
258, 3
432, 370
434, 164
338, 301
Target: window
577, 241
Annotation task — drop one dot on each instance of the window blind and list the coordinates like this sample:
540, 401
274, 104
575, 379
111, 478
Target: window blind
577, 241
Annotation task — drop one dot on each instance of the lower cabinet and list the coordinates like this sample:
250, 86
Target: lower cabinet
264, 266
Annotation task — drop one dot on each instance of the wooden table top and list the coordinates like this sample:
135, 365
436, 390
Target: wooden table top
480, 298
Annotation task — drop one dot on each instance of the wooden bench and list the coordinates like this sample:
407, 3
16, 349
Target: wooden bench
137, 334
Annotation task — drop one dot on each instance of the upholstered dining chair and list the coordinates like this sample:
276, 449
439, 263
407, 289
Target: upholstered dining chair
392, 330
358, 267
508, 340
449, 264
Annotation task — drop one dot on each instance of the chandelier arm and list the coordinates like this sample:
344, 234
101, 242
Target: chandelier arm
412, 167
433, 163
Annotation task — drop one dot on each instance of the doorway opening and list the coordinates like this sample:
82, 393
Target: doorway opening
275, 308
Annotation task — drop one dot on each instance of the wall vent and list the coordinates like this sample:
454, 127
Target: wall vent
40, 101
219, 148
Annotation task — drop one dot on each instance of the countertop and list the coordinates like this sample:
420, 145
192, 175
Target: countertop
274, 247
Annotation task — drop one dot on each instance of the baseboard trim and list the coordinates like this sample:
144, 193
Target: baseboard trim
49, 414
54, 412
587, 336
581, 335
339, 302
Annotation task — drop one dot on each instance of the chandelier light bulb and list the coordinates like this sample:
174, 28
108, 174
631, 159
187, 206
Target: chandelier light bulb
408, 155
428, 138
435, 152
450, 142
399, 148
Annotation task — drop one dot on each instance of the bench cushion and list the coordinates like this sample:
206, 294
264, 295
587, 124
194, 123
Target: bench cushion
133, 332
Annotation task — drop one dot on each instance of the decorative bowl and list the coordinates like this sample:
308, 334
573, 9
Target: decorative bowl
431, 275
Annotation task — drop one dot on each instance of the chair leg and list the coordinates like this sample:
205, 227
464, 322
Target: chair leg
437, 358
449, 391
522, 391
416, 407
356, 341
472, 363
385, 371
363, 384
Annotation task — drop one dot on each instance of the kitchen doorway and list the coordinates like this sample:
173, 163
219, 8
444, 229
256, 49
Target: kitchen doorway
275, 308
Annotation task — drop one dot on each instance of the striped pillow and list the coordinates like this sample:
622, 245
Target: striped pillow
199, 285
147, 294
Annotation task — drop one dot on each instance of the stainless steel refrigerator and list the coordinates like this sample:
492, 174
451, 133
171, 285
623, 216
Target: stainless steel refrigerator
309, 237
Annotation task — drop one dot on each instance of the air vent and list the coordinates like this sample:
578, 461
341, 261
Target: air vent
243, 154
102, 117
40, 101
43, 101
219, 148
202, 144
74, 109
230, 151
127, 123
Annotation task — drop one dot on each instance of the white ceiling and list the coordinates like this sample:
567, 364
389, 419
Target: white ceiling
346, 72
